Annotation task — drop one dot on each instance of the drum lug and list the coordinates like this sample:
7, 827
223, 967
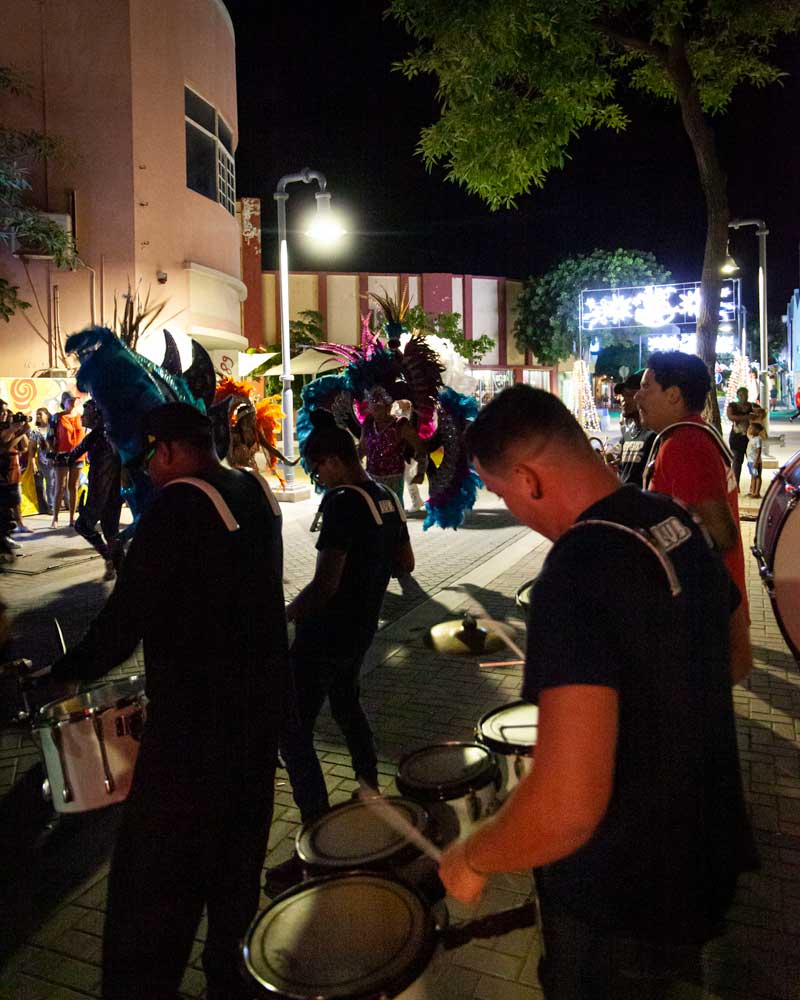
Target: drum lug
47, 793
473, 806
101, 743
518, 766
66, 791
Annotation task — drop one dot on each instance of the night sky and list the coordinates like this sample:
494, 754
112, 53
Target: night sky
316, 89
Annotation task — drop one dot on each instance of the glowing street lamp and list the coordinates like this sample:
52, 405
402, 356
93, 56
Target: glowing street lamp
326, 229
761, 232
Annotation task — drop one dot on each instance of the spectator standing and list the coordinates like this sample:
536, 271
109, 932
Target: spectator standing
44, 470
637, 862
202, 587
739, 413
796, 413
636, 440
363, 541
65, 434
104, 499
13, 437
689, 460
755, 439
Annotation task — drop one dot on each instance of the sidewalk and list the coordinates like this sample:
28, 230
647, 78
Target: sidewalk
416, 697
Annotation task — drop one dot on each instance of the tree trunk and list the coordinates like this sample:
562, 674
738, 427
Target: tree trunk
715, 188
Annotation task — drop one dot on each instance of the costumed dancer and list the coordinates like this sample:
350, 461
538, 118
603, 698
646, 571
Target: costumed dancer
385, 441
412, 371
126, 385
253, 426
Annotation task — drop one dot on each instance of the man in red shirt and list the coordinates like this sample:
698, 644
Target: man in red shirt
689, 460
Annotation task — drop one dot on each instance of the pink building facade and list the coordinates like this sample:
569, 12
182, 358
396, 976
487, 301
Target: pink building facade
143, 94
487, 306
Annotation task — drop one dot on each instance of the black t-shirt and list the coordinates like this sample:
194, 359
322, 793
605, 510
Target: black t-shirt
348, 624
636, 445
208, 604
663, 861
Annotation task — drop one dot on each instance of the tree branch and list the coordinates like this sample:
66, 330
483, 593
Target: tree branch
633, 44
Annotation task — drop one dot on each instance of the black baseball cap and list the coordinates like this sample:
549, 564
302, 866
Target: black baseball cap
175, 422
631, 384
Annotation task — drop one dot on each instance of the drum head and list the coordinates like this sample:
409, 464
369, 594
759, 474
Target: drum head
446, 771
510, 729
351, 835
785, 592
342, 936
94, 699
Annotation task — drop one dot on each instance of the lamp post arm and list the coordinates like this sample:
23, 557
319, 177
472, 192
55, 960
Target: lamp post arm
761, 232
305, 176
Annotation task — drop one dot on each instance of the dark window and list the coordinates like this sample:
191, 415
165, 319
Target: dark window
210, 167
225, 135
201, 162
199, 111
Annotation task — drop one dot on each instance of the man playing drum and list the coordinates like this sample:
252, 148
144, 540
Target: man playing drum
632, 815
202, 587
363, 541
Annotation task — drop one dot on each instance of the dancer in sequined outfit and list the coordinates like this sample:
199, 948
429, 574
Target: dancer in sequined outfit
385, 439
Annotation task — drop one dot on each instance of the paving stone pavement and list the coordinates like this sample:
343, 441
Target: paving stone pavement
416, 697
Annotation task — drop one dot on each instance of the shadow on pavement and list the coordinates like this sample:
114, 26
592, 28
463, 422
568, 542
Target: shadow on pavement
44, 859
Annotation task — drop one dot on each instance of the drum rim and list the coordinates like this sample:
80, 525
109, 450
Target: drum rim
87, 713
779, 480
507, 749
402, 854
400, 981
445, 791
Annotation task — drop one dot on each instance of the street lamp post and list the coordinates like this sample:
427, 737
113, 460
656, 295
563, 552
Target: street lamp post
762, 233
293, 490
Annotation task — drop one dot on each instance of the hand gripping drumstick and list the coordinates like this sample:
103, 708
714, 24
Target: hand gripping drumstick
392, 817
500, 629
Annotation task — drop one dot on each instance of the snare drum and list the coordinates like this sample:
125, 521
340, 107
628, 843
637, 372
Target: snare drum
510, 732
351, 835
90, 743
777, 549
356, 935
457, 782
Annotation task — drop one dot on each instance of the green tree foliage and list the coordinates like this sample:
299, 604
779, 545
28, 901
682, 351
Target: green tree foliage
616, 356
20, 223
306, 331
548, 308
447, 325
518, 79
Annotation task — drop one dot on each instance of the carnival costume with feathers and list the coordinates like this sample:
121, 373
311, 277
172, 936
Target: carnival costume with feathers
414, 373
125, 385
253, 426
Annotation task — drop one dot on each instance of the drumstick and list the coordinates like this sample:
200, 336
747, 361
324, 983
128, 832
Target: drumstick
394, 818
502, 663
500, 628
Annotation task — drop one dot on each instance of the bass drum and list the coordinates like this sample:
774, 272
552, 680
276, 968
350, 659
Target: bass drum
777, 549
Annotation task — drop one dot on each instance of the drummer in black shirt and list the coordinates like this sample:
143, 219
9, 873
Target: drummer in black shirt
363, 541
633, 815
202, 588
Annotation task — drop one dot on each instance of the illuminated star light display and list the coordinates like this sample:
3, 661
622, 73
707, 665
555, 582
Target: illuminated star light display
651, 306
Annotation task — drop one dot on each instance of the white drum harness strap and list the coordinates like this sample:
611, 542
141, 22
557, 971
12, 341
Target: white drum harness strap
659, 539
224, 511
727, 456
391, 502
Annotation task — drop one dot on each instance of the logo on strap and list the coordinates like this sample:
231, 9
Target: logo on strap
670, 534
